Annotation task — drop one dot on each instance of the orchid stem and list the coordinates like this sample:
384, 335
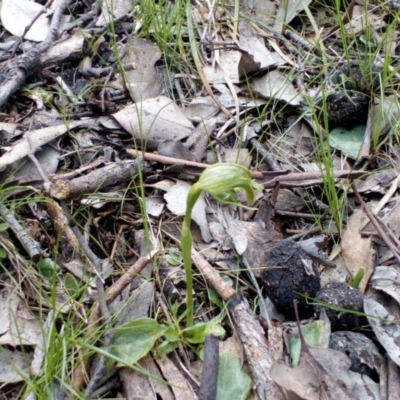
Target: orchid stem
186, 243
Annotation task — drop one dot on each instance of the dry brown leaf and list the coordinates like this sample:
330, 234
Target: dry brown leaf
358, 251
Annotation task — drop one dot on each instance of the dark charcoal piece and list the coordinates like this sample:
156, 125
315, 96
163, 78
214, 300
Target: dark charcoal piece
353, 76
340, 294
362, 352
289, 270
346, 109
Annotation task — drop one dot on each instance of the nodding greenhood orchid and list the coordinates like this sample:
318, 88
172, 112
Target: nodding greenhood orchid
221, 181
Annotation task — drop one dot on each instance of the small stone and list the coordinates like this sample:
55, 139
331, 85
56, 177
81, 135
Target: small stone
341, 295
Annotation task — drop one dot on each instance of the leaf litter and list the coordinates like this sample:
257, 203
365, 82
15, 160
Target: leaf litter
106, 128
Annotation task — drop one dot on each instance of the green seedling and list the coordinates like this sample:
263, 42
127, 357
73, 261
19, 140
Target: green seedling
355, 283
221, 181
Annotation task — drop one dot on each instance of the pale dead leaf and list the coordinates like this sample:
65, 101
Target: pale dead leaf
387, 279
337, 365
389, 215
143, 80
255, 56
176, 202
387, 333
377, 182
228, 63
201, 109
300, 383
264, 9
27, 172
236, 156
13, 365
179, 385
234, 229
165, 185
361, 21
158, 119
287, 11
113, 9
37, 139
16, 15
276, 85
18, 325
154, 206
357, 251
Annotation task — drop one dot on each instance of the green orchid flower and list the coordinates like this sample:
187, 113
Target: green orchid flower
221, 181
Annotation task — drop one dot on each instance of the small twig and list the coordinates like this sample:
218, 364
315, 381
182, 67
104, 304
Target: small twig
265, 155
209, 373
287, 179
298, 179
262, 305
31, 246
55, 25
110, 175
100, 368
296, 214
92, 258
41, 348
375, 222
175, 161
33, 158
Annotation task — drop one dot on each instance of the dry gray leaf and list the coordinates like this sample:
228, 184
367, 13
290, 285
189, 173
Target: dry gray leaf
385, 115
158, 119
18, 325
228, 66
27, 172
389, 216
143, 80
179, 384
314, 247
361, 21
13, 365
255, 56
287, 11
35, 139
299, 383
154, 206
16, 15
264, 9
337, 365
276, 85
387, 333
136, 305
113, 9
387, 279
234, 229
201, 109
377, 182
